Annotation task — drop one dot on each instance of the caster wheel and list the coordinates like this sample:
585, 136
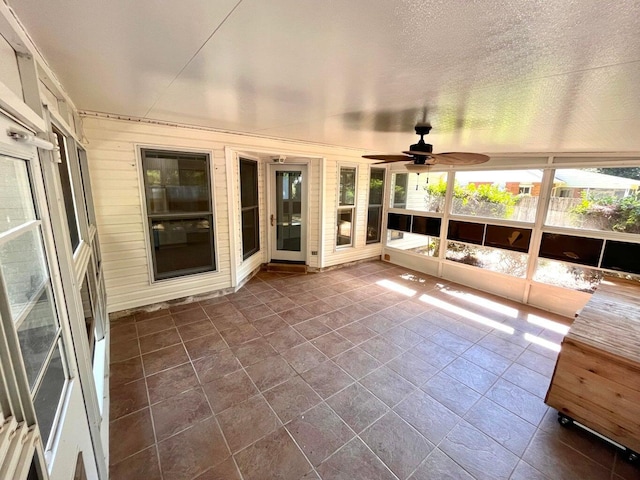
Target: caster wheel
564, 420
632, 456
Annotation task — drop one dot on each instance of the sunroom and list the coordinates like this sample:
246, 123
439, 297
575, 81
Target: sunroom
201, 276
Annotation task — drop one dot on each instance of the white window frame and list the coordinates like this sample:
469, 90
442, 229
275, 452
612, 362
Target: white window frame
17, 383
145, 216
240, 159
382, 205
341, 208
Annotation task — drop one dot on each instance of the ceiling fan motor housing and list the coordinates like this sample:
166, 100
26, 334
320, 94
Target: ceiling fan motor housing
423, 129
422, 156
422, 146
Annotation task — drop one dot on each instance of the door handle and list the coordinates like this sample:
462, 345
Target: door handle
272, 220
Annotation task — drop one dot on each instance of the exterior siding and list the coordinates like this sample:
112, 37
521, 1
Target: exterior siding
115, 175
360, 250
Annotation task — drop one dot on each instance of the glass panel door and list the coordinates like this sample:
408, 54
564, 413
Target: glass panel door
288, 214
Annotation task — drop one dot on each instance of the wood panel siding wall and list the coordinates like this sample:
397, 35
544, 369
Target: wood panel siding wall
245, 267
334, 255
113, 146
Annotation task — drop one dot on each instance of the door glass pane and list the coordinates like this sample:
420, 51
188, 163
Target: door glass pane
289, 210
49, 394
36, 334
182, 246
24, 269
16, 206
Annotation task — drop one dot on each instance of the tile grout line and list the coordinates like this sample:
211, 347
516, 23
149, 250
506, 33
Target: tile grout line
404, 350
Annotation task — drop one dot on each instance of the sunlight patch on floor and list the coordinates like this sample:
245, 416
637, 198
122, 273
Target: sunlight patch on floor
483, 302
412, 278
396, 287
547, 324
467, 314
542, 342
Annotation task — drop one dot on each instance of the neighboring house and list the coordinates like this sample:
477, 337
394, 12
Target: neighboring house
518, 182
569, 182
573, 183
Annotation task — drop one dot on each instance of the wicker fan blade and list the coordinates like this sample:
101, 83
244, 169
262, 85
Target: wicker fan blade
458, 158
389, 158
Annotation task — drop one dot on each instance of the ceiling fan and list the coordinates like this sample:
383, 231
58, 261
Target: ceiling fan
422, 157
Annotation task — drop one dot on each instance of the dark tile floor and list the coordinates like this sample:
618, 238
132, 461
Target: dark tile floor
368, 372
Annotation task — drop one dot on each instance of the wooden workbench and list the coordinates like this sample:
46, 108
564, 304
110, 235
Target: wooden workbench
597, 376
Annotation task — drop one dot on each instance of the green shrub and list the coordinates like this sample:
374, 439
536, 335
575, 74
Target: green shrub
608, 213
481, 200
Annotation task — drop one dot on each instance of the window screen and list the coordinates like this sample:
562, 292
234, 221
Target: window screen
582, 250
466, 232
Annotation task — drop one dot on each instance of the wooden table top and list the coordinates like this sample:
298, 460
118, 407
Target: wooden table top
610, 321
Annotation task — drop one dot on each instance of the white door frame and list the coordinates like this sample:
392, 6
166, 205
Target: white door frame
299, 165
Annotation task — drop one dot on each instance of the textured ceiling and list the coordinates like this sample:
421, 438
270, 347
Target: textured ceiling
492, 76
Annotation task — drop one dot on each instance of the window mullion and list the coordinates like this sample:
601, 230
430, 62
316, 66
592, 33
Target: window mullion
43, 369
444, 227
25, 313
19, 230
536, 237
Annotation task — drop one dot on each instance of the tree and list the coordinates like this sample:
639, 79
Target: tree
608, 213
625, 172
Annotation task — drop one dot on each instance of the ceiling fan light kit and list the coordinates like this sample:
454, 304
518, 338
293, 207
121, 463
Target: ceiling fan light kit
422, 157
417, 168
